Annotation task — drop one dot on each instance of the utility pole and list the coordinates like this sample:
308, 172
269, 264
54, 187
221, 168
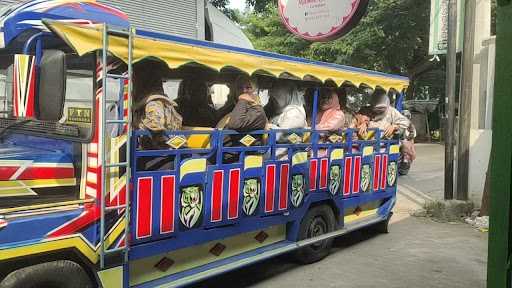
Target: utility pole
465, 101
451, 78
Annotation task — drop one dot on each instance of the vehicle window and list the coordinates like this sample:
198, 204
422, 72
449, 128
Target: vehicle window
78, 105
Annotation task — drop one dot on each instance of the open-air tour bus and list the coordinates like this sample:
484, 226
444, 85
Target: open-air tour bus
75, 198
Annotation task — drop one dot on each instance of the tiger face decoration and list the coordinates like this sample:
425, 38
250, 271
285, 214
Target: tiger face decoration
191, 206
334, 179
251, 196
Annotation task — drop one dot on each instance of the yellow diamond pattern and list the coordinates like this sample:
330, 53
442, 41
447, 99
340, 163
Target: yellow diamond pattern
177, 142
294, 138
335, 138
248, 140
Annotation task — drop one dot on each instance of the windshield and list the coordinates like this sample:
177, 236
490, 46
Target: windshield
5, 86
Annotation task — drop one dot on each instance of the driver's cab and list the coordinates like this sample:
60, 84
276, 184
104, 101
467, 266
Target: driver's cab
48, 111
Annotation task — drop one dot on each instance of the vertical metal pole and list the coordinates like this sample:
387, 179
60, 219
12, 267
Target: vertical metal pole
451, 75
103, 152
465, 102
313, 122
500, 232
128, 142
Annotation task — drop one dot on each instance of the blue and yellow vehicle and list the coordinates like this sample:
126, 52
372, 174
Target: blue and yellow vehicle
76, 210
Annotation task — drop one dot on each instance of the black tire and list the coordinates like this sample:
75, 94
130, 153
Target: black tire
403, 168
56, 274
319, 220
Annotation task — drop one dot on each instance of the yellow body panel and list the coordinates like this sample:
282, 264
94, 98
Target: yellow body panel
299, 158
367, 151
192, 166
253, 161
144, 270
111, 278
394, 149
337, 154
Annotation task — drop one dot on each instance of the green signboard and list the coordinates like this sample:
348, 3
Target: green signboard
439, 26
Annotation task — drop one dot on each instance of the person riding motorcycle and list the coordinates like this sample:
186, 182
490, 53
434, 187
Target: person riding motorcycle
407, 150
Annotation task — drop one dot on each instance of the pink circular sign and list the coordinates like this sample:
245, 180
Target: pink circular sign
321, 20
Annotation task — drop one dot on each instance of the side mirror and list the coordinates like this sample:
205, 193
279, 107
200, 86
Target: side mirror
52, 85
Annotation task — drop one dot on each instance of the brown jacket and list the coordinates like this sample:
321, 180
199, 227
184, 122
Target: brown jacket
247, 116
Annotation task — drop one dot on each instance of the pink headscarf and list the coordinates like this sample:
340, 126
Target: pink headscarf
330, 116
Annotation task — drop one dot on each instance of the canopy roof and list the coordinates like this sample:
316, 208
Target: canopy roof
177, 51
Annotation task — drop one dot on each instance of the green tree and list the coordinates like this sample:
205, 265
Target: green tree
392, 37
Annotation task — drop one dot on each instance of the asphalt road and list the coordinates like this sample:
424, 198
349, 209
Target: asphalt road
417, 253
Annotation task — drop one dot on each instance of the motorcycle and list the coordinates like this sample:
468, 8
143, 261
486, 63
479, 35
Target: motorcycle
407, 150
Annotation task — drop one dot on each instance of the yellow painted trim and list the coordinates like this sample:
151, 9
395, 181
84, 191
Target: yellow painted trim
367, 151
198, 141
394, 149
337, 154
89, 39
51, 245
45, 206
253, 161
362, 215
111, 278
143, 270
192, 166
299, 158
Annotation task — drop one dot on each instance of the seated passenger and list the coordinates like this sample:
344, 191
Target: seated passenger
330, 116
248, 114
153, 110
193, 104
361, 121
385, 117
286, 110
286, 106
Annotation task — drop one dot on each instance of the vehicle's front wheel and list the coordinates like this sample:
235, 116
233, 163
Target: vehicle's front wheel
56, 274
319, 220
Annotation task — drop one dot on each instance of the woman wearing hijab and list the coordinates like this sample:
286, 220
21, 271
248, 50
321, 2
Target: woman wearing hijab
330, 117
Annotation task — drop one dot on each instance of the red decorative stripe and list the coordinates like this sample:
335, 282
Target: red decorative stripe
167, 205
217, 188
47, 173
234, 193
376, 173
313, 172
6, 172
283, 186
384, 171
324, 164
357, 175
270, 187
347, 176
144, 207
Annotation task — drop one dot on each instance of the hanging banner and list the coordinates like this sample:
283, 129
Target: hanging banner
438, 43
321, 20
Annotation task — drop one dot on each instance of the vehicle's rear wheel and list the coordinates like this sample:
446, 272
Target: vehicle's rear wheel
56, 274
319, 220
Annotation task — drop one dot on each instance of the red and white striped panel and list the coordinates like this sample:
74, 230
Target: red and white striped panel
167, 205
376, 172
347, 176
324, 166
384, 171
216, 197
284, 178
234, 193
144, 207
24, 86
357, 175
313, 174
270, 188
